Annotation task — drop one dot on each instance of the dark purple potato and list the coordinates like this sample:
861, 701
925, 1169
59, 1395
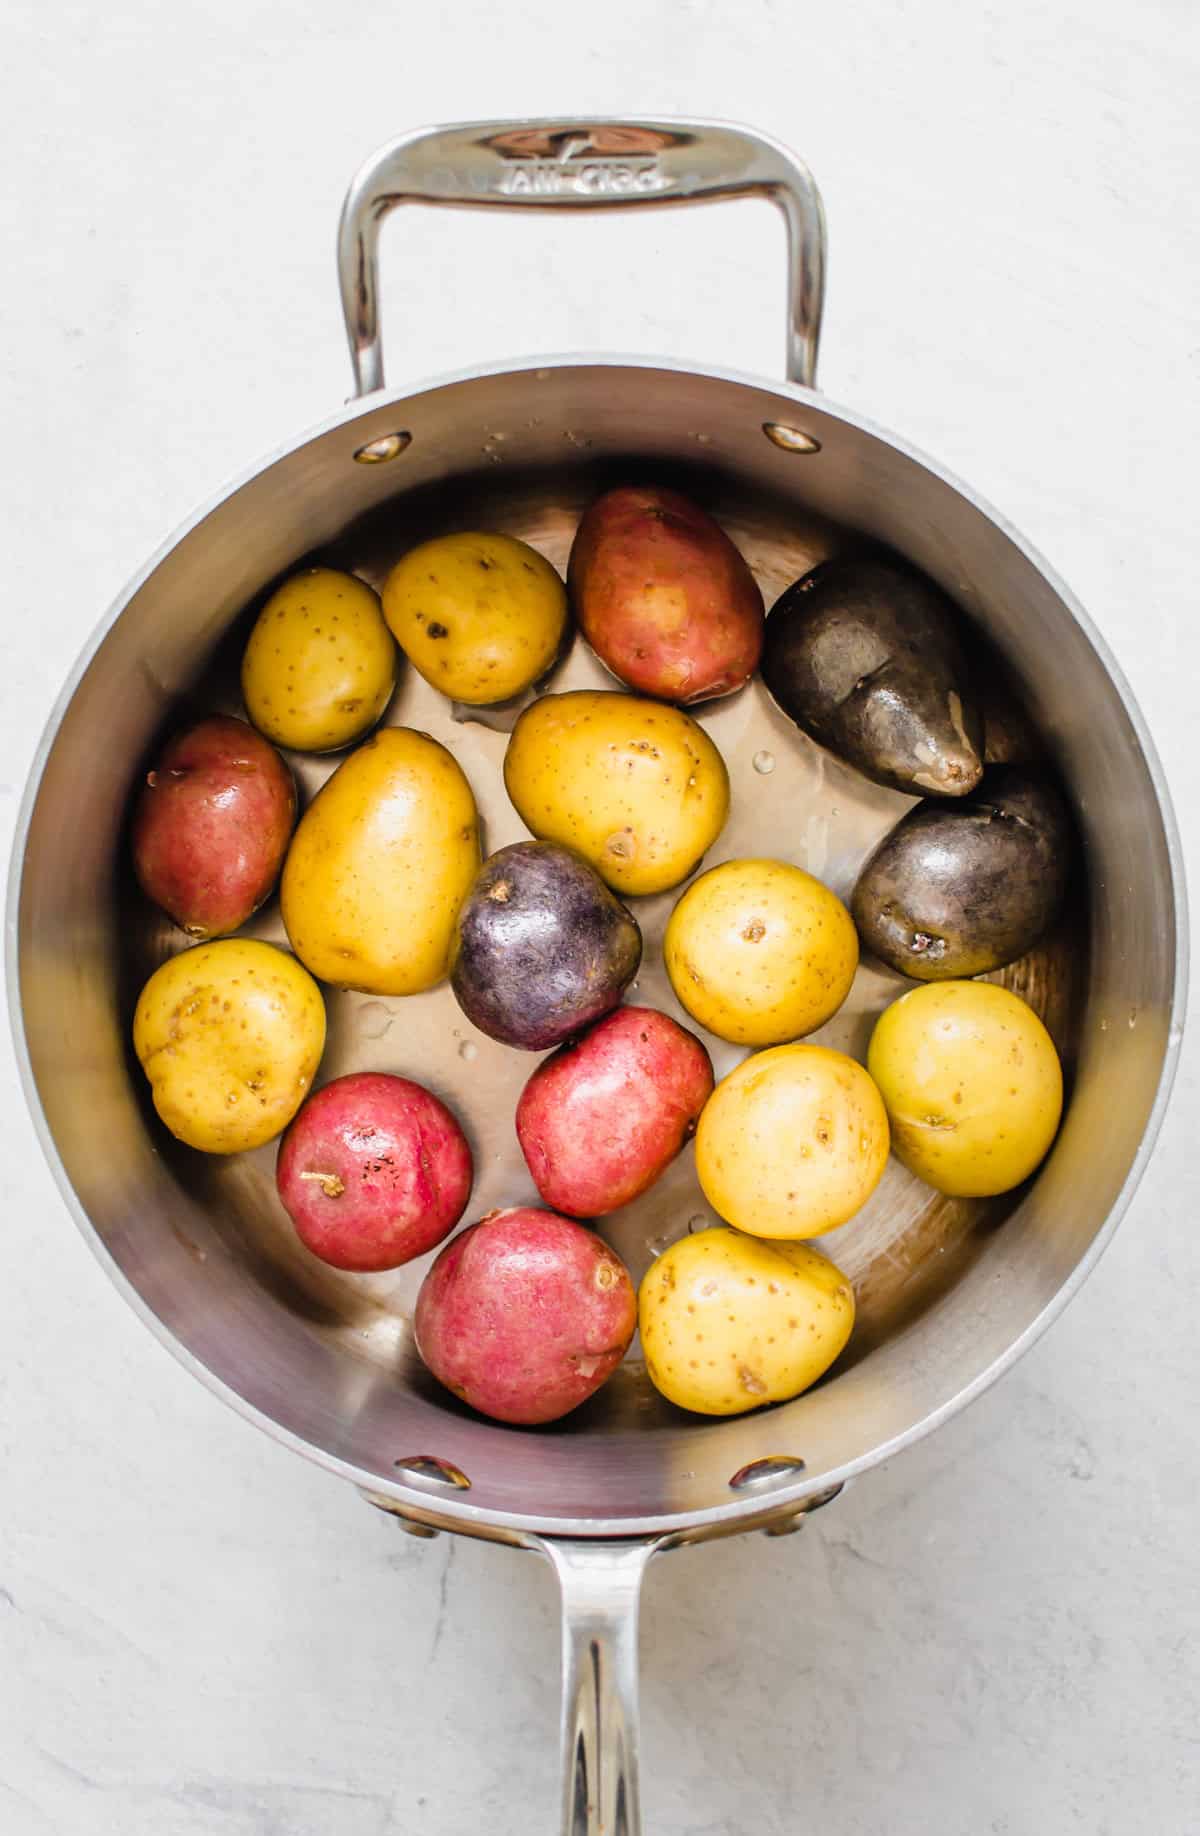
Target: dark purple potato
863, 653
957, 889
542, 947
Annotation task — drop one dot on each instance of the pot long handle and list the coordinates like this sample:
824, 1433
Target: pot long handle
600, 1583
584, 163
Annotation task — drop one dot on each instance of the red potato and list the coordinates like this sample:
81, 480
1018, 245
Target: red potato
602, 1119
373, 1171
211, 825
524, 1315
663, 597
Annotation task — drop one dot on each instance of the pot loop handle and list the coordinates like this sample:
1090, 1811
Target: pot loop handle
589, 163
600, 1583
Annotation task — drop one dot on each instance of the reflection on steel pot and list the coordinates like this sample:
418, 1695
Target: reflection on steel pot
203, 1249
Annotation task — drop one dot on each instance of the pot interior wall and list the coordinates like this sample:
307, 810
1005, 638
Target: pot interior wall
946, 1288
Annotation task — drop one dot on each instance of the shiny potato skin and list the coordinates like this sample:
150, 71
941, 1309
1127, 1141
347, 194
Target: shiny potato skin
211, 825
759, 952
524, 1315
863, 654
320, 664
972, 1085
636, 786
480, 615
541, 946
379, 865
958, 889
602, 1119
229, 1035
663, 597
730, 1323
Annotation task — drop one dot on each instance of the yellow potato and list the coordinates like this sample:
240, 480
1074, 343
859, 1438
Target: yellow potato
792, 1142
729, 1323
760, 951
380, 864
481, 616
230, 1035
636, 787
972, 1084
320, 665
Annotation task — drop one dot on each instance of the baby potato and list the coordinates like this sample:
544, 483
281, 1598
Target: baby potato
525, 1315
211, 825
729, 1323
230, 1035
637, 788
663, 596
320, 665
792, 1142
972, 1084
481, 616
760, 952
380, 863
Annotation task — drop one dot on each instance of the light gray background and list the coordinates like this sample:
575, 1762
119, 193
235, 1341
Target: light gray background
199, 1634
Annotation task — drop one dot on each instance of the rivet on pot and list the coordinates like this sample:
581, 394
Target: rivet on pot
772, 1469
387, 446
440, 1472
790, 439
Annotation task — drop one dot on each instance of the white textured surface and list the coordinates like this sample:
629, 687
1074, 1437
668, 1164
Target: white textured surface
200, 1635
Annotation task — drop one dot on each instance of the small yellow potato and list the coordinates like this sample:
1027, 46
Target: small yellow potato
792, 1142
379, 865
636, 787
320, 665
760, 952
729, 1323
480, 616
972, 1084
230, 1035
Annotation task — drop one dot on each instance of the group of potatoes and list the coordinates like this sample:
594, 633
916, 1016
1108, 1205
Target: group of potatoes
382, 889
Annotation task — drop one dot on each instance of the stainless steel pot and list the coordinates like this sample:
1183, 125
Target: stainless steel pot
950, 1292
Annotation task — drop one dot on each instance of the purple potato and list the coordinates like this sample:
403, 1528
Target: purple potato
957, 889
863, 653
542, 948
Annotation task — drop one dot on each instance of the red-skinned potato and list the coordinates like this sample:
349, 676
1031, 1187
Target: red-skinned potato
663, 597
524, 1315
604, 1118
211, 825
373, 1171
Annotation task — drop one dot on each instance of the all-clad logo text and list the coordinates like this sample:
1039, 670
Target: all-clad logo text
593, 178
584, 164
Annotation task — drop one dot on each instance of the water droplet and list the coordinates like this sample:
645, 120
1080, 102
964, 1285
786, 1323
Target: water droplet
1132, 1017
656, 1245
701, 439
699, 1222
634, 986
1104, 1026
374, 1019
468, 1050
763, 762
